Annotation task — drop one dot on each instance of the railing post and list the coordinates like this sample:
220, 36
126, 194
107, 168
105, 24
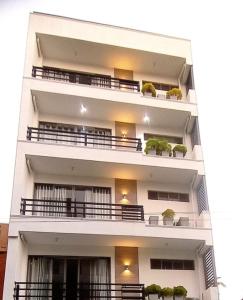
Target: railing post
143, 292
33, 72
85, 139
17, 292
139, 145
29, 131
23, 206
142, 214
84, 211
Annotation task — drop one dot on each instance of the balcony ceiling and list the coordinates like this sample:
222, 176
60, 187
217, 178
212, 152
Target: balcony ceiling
62, 240
99, 109
87, 168
95, 54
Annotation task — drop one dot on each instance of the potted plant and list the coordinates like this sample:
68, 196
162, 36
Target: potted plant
168, 217
151, 146
180, 292
174, 94
167, 293
179, 151
148, 89
153, 291
164, 148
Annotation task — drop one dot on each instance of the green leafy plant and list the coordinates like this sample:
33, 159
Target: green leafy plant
153, 289
167, 292
151, 144
174, 92
163, 145
180, 148
180, 291
148, 87
168, 213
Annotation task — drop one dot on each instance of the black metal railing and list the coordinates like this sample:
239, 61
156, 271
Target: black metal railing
83, 138
79, 291
84, 78
77, 209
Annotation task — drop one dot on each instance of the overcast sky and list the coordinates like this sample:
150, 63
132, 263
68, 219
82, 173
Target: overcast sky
216, 30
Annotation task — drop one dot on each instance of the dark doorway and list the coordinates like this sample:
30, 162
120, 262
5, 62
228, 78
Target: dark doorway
71, 279
57, 280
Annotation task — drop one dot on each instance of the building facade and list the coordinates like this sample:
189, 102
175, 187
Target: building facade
88, 189
3, 254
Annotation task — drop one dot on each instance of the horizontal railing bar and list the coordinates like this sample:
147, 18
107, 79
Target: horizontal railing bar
55, 208
92, 203
43, 130
82, 214
83, 283
33, 289
81, 138
88, 79
86, 75
82, 142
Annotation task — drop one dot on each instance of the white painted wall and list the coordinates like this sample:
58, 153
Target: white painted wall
170, 278
16, 265
152, 207
104, 34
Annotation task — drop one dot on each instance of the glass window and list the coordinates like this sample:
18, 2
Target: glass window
155, 263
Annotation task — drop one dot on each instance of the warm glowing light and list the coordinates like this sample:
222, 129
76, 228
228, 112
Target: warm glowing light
83, 109
127, 262
124, 199
126, 268
146, 119
124, 135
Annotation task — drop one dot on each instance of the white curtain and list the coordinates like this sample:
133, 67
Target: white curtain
50, 207
99, 197
102, 196
88, 197
39, 278
99, 273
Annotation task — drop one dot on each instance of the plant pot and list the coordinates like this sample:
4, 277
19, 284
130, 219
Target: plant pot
173, 97
168, 221
153, 296
179, 297
153, 220
161, 96
179, 154
147, 94
167, 297
183, 221
152, 152
165, 153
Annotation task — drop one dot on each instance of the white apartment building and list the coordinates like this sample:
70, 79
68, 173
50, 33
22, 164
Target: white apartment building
87, 200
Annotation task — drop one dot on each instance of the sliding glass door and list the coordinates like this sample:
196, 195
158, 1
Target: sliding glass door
72, 201
68, 278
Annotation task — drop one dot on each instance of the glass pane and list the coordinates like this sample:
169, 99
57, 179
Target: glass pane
167, 264
189, 265
155, 263
178, 265
152, 195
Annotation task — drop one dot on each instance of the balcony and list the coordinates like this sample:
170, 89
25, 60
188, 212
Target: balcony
81, 210
80, 290
83, 139
95, 80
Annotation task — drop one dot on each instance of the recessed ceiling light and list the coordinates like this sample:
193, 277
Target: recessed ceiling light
83, 109
146, 119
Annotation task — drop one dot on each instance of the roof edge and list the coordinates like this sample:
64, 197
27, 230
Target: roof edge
109, 25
